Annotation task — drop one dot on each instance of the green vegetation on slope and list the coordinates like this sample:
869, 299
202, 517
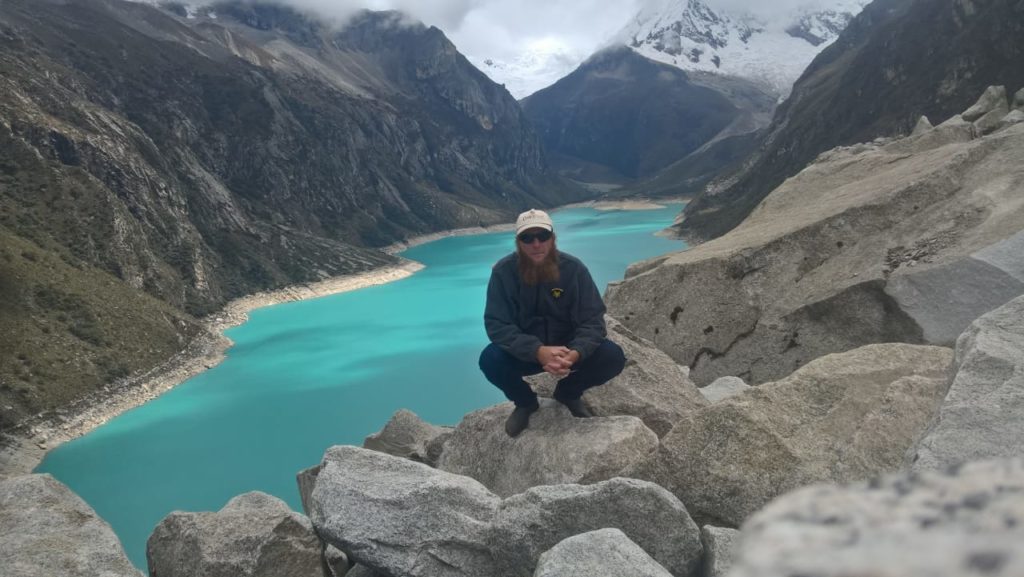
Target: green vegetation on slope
67, 329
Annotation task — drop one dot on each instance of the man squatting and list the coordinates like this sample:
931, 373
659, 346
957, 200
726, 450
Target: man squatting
544, 313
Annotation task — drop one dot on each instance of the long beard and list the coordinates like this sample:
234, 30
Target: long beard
532, 273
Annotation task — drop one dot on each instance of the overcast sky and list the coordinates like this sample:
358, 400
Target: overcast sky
502, 29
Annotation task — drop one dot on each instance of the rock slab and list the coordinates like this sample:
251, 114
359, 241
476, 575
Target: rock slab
723, 388
254, 535
398, 517
530, 523
982, 416
556, 448
894, 252
601, 553
966, 521
719, 549
840, 418
406, 435
45, 529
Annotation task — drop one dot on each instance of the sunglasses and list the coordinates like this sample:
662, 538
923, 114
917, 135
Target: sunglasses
529, 237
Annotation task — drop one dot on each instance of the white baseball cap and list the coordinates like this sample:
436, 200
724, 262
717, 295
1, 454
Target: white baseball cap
534, 218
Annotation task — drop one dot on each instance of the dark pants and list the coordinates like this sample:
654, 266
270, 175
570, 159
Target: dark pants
506, 372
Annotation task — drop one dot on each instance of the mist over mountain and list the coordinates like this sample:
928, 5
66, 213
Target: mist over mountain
200, 156
896, 61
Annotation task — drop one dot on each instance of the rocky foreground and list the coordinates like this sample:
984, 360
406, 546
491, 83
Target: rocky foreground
874, 458
423, 500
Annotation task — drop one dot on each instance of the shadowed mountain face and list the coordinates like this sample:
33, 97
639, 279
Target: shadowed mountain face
199, 159
623, 112
253, 149
896, 61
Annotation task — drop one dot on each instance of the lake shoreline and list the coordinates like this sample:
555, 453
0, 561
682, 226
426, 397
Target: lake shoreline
21, 453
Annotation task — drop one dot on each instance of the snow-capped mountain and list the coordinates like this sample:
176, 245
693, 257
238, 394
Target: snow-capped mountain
773, 49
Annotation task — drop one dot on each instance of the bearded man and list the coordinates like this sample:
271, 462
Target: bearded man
544, 313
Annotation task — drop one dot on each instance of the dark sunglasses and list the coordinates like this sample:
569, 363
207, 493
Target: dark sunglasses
529, 237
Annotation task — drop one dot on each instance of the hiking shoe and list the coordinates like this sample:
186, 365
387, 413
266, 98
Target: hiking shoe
577, 408
519, 420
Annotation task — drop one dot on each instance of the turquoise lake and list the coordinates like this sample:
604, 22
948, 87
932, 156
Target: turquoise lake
307, 375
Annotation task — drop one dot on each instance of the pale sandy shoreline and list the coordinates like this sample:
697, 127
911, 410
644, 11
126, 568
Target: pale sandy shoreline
400, 246
630, 204
20, 454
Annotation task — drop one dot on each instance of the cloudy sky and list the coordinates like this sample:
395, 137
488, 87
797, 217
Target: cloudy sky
503, 29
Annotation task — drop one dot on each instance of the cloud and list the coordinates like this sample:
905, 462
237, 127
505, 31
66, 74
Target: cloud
445, 14
498, 28
505, 29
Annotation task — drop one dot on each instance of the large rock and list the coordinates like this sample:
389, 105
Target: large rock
398, 517
362, 571
840, 418
406, 435
393, 516
601, 553
990, 108
306, 480
934, 524
45, 529
994, 98
895, 251
652, 386
720, 545
723, 388
983, 413
945, 299
255, 534
1013, 117
530, 523
556, 448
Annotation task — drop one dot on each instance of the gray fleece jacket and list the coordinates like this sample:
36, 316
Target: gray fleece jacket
521, 318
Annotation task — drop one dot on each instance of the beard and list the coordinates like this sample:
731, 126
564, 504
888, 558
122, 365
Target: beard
534, 273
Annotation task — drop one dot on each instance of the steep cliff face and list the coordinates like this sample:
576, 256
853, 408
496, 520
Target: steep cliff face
247, 147
896, 61
256, 148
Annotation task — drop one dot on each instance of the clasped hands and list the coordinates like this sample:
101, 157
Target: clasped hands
557, 360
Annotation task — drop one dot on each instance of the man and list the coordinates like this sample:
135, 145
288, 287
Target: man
544, 313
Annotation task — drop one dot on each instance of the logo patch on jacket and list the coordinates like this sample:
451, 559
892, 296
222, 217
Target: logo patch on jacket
556, 292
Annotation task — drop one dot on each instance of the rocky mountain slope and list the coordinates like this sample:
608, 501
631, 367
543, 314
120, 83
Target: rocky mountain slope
896, 61
199, 159
629, 116
772, 49
915, 238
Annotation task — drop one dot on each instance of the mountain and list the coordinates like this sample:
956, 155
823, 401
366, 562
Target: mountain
627, 114
771, 50
896, 61
537, 68
196, 156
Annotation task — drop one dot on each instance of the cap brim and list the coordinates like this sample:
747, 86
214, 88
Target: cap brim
547, 227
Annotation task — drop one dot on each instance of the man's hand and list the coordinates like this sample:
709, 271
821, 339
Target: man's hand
557, 360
